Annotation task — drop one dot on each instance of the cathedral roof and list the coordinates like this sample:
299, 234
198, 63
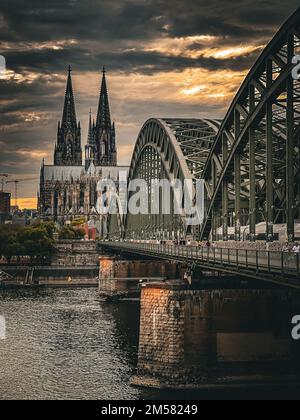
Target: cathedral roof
62, 173
74, 173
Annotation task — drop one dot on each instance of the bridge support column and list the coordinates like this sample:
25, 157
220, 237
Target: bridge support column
214, 225
252, 171
119, 279
237, 186
269, 160
237, 179
215, 211
192, 338
225, 191
290, 149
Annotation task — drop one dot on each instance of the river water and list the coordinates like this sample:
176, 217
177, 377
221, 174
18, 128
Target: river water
69, 344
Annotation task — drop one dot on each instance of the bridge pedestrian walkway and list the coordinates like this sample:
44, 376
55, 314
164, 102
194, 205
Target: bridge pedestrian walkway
281, 268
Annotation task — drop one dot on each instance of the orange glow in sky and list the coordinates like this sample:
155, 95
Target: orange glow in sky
26, 203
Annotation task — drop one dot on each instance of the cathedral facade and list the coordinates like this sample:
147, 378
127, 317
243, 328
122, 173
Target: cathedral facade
68, 188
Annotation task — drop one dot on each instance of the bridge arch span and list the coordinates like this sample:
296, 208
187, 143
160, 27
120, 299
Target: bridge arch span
172, 149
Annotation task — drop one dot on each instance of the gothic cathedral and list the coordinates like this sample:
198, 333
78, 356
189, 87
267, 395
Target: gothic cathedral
68, 188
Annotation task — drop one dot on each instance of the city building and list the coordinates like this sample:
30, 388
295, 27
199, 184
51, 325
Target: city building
5, 201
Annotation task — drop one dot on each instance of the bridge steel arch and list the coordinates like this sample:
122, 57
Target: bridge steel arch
172, 149
252, 171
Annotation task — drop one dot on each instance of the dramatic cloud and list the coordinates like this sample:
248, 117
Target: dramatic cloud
164, 59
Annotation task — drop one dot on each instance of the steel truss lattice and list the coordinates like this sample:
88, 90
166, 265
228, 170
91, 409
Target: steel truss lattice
252, 173
172, 149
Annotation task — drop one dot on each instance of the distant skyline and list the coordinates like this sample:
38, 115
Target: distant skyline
179, 59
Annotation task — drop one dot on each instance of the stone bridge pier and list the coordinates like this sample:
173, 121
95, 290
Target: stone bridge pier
193, 338
123, 278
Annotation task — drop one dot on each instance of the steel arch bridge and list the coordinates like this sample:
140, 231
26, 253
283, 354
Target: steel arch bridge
167, 149
250, 161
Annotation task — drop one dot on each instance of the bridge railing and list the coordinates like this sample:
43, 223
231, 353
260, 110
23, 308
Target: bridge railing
270, 262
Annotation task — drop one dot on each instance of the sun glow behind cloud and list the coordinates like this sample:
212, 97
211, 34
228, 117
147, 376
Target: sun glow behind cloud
200, 46
230, 52
193, 90
191, 85
26, 203
33, 154
178, 46
23, 47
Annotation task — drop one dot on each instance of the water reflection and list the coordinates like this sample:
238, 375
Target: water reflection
68, 344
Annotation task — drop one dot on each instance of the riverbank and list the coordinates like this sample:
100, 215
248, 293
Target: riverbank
51, 276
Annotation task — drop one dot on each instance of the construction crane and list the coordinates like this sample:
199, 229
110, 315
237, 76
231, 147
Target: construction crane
2, 180
17, 182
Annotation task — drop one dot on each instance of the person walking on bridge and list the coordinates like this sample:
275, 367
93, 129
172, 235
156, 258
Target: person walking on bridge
296, 251
286, 249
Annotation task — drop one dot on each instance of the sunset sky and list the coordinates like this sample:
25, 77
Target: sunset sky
164, 59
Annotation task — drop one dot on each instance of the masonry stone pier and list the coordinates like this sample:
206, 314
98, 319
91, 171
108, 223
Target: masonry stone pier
119, 279
76, 253
197, 338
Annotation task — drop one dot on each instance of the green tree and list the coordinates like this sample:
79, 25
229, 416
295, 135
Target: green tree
38, 242
67, 233
35, 242
10, 245
78, 221
79, 233
71, 233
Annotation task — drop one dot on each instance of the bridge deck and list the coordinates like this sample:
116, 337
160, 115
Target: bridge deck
276, 267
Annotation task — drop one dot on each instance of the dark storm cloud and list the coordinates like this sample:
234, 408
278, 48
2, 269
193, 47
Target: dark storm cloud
234, 18
21, 100
46, 87
38, 20
114, 26
145, 62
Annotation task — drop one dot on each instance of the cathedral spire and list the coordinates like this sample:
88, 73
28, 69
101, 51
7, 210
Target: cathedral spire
91, 147
90, 132
68, 150
69, 115
103, 131
103, 116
